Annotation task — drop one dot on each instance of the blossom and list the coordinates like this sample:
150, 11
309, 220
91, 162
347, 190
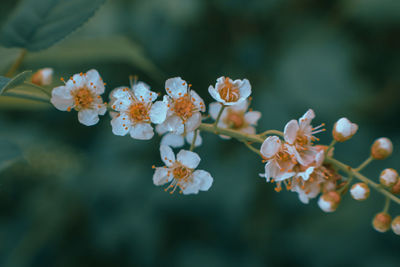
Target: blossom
229, 92
299, 136
381, 222
344, 129
180, 172
82, 93
360, 191
381, 148
329, 202
178, 140
184, 107
388, 177
236, 117
137, 110
43, 76
279, 162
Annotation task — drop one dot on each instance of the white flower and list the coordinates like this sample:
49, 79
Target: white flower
81, 92
344, 129
43, 76
279, 162
230, 92
388, 177
176, 140
299, 136
360, 191
137, 110
184, 106
235, 117
180, 172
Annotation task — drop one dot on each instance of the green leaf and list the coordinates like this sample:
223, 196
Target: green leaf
9, 153
19, 87
38, 24
109, 49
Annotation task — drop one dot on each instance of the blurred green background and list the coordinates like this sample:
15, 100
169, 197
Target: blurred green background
84, 197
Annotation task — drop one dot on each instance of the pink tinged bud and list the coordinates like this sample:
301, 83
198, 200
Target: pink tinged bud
396, 225
43, 77
381, 222
360, 191
396, 187
329, 202
381, 148
388, 177
344, 129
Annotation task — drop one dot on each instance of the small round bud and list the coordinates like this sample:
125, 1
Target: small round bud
329, 202
381, 222
381, 148
388, 177
396, 225
396, 187
43, 76
360, 191
344, 129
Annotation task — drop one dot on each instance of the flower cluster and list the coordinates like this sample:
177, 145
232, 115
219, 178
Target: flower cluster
292, 158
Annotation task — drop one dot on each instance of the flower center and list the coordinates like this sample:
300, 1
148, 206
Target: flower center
83, 98
138, 112
184, 107
229, 92
181, 173
235, 120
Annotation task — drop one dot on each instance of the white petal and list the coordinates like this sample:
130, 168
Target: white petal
173, 140
248, 130
167, 155
188, 158
290, 132
197, 101
77, 81
190, 136
242, 106
306, 174
121, 124
213, 109
174, 124
161, 176
214, 93
122, 99
191, 188
205, 179
252, 117
88, 117
94, 81
61, 98
305, 121
271, 170
162, 128
176, 87
244, 89
270, 146
142, 131
193, 122
143, 93
158, 112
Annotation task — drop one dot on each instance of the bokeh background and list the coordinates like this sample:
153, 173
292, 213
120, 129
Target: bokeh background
81, 196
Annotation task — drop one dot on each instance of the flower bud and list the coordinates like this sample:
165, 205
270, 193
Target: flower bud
396, 225
381, 148
396, 188
360, 191
43, 76
388, 177
344, 129
381, 222
329, 202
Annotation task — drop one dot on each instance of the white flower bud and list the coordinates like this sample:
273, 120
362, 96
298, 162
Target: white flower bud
396, 225
43, 76
344, 129
381, 222
329, 202
388, 177
360, 191
381, 148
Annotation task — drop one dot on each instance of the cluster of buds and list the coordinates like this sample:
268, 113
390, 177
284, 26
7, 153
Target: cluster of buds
292, 158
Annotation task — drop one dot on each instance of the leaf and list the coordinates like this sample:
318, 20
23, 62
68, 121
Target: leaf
111, 49
38, 24
19, 87
8, 57
9, 153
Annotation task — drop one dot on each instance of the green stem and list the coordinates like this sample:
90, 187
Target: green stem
255, 150
364, 164
26, 96
207, 127
331, 145
219, 116
387, 205
16, 64
271, 132
194, 140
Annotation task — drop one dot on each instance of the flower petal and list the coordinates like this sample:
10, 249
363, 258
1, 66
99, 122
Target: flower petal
121, 124
143, 93
193, 122
213, 109
205, 179
270, 146
188, 158
290, 132
214, 93
161, 176
94, 81
174, 124
252, 117
158, 112
241, 107
197, 101
142, 131
88, 117
190, 136
244, 90
173, 140
176, 87
167, 155
61, 98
